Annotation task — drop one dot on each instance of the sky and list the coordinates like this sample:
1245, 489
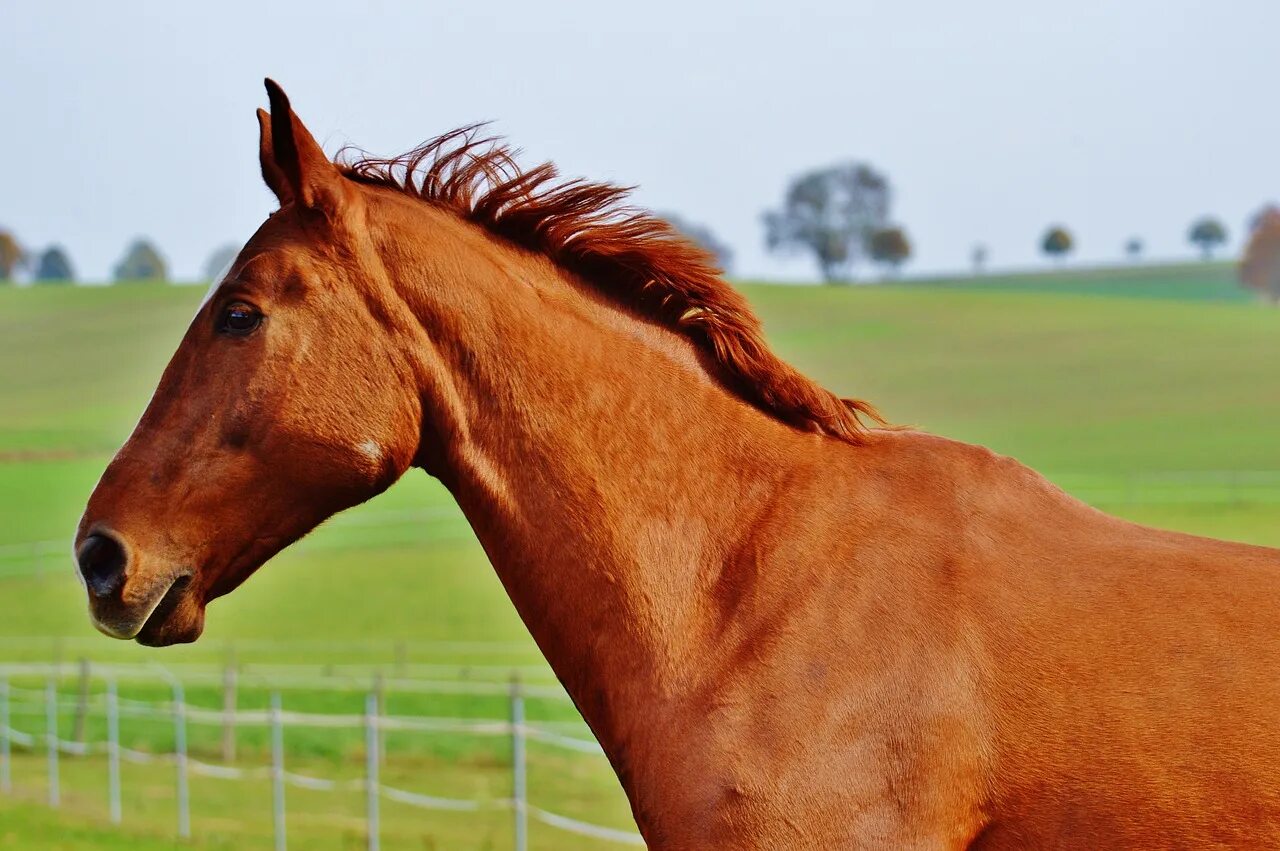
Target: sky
992, 120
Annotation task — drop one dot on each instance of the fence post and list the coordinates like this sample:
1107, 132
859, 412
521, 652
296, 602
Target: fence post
371, 769
6, 778
51, 737
277, 772
180, 758
229, 711
519, 791
402, 659
380, 694
113, 752
82, 701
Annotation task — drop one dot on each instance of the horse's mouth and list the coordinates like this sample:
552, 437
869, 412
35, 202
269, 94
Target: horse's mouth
177, 619
174, 617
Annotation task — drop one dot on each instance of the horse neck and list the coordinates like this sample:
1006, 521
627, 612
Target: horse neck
606, 474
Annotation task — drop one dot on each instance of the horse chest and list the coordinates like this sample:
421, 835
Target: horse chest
800, 786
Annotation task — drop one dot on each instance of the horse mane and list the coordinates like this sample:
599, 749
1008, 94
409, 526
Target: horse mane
634, 257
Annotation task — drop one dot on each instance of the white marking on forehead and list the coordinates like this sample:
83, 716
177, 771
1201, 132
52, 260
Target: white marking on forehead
371, 449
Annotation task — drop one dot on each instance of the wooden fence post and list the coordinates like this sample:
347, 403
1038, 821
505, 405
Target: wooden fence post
113, 752
371, 770
380, 696
519, 778
277, 773
402, 659
229, 712
51, 738
180, 759
6, 777
82, 701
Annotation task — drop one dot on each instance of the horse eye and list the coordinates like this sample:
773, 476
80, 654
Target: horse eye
239, 319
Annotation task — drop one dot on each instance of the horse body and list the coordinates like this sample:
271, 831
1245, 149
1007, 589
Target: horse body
998, 667
786, 630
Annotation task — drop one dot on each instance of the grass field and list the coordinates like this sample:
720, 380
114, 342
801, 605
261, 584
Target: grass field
1184, 282
1152, 391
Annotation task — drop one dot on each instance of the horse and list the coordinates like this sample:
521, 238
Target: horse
788, 624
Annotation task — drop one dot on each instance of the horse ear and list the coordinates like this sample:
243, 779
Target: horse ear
299, 169
271, 173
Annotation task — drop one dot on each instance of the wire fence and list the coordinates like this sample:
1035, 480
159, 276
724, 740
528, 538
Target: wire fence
537, 680
47, 702
353, 659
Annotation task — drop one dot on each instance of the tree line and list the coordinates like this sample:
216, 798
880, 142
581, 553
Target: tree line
141, 261
841, 216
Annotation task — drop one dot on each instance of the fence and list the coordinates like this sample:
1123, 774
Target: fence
15, 700
335, 660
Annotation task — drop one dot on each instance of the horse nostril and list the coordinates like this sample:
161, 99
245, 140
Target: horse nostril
102, 561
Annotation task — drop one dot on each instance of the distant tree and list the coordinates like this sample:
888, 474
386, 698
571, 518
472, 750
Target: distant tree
54, 265
219, 261
1057, 242
831, 213
702, 236
1207, 233
1133, 248
978, 256
12, 256
142, 262
890, 247
1260, 266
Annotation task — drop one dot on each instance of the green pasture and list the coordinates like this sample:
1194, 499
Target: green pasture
1186, 282
1151, 391
237, 815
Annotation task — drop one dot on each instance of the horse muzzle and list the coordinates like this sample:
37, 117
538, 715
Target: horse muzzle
127, 601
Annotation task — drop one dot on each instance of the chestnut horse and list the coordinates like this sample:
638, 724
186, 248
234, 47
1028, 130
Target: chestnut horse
788, 629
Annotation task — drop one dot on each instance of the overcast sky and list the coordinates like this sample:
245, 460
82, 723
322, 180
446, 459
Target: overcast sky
991, 119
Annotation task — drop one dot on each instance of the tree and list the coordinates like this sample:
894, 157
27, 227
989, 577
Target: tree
701, 236
978, 256
890, 247
1260, 266
1207, 233
220, 260
831, 213
1057, 242
54, 265
142, 262
12, 257
1133, 248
